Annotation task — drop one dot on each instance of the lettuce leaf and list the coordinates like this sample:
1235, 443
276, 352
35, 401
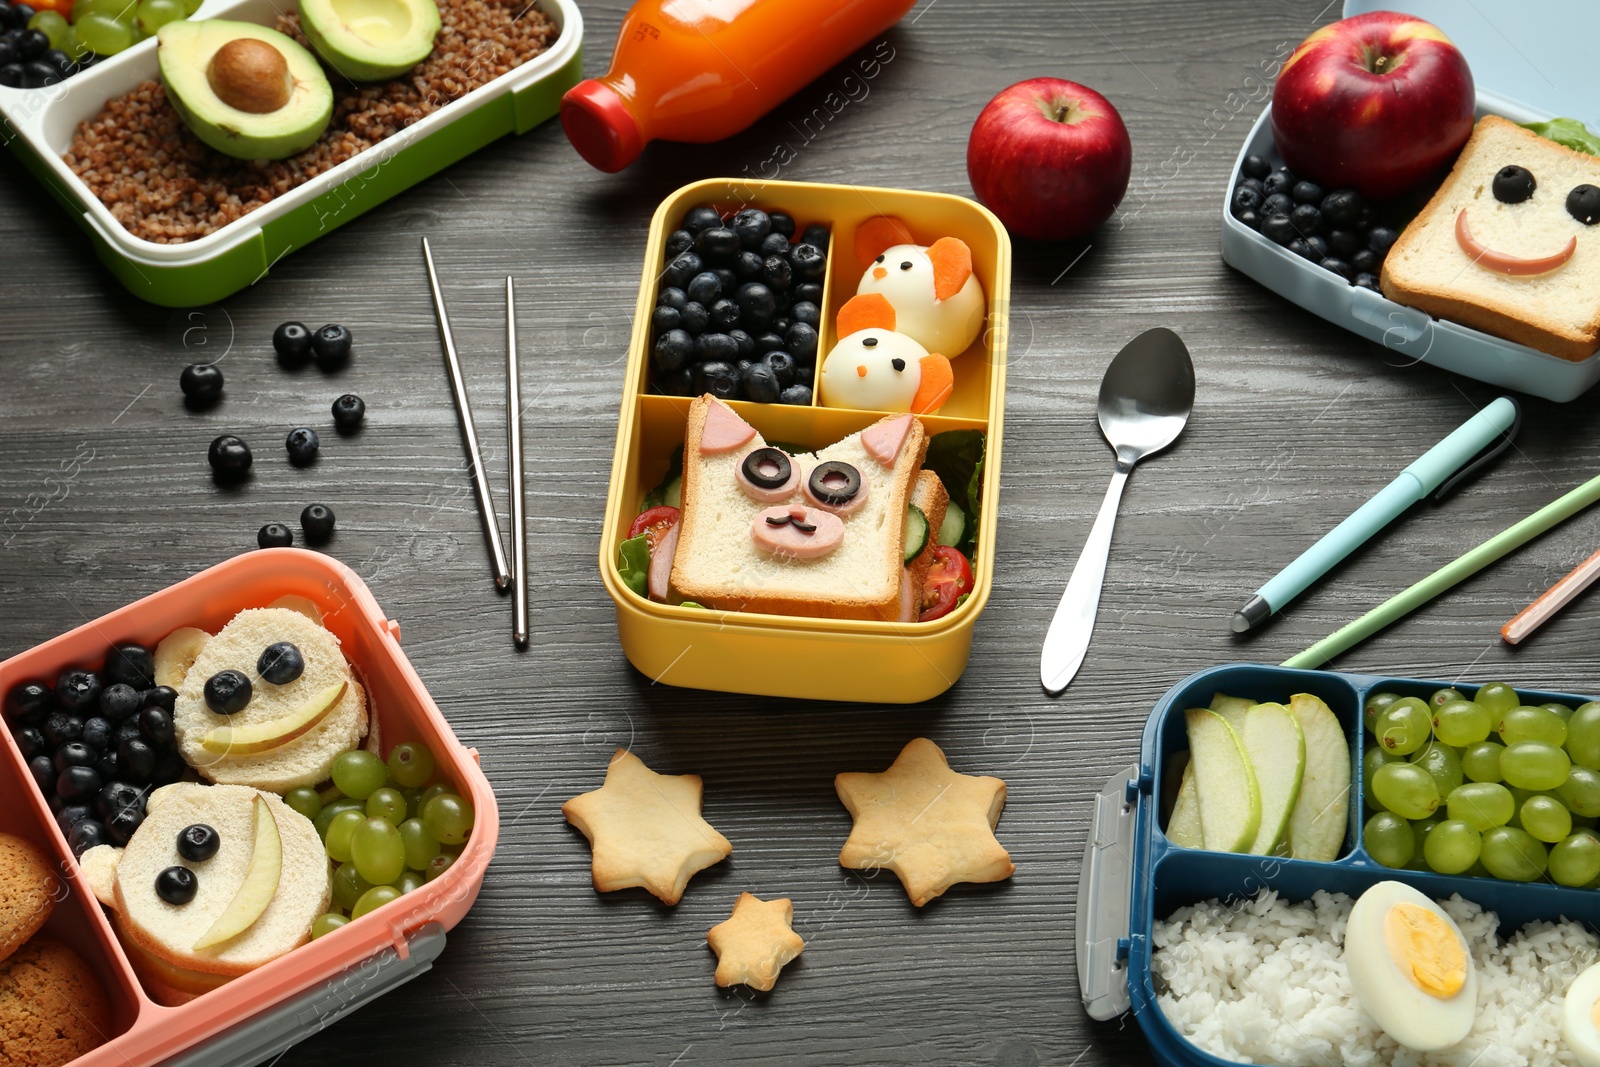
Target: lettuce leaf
1570, 132
956, 456
633, 564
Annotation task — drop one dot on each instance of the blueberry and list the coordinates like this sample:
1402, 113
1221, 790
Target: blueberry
724, 315
1337, 266
1276, 204
169, 768
729, 280
126, 730
292, 342
97, 734
1307, 193
177, 885
700, 218
1252, 183
316, 522
808, 261
1344, 243
756, 300
37, 74
1255, 167
695, 317
1279, 181
8, 49
716, 348
663, 320
198, 842
115, 796
795, 394
782, 224
752, 226
73, 754
29, 703
678, 382
122, 823
201, 384
747, 266
815, 235
679, 242
71, 815
774, 244
1318, 247
1583, 204
717, 245
43, 769
720, 379
783, 365
761, 384
673, 349
1307, 219
32, 44
1343, 208
1381, 238
800, 341
1246, 199
302, 444
107, 765
1250, 219
23, 13
704, 288
680, 269
805, 376
1366, 261
280, 663
11, 75
161, 696
78, 691
332, 345
62, 726
229, 457
228, 692
130, 664
781, 325
776, 272
811, 291
804, 311
136, 760
673, 297
274, 535
30, 739
86, 835
77, 781
348, 411
156, 725
768, 342
1368, 280
1300, 248
1513, 184
1279, 229
746, 343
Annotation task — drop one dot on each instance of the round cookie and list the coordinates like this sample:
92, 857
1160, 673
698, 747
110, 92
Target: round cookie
28, 891
53, 1008
304, 760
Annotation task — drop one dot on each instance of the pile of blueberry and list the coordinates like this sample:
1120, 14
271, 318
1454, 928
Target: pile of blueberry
1338, 230
27, 61
97, 743
739, 307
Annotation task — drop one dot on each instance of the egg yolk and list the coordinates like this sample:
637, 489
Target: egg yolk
1425, 949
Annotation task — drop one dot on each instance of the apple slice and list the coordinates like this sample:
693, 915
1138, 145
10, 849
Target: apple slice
1317, 826
262, 736
260, 883
1225, 786
1183, 825
1231, 708
1277, 751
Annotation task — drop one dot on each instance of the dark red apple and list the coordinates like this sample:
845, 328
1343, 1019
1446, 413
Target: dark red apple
1050, 158
1377, 103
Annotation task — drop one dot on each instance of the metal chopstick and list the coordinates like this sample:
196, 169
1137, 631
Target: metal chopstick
458, 386
519, 544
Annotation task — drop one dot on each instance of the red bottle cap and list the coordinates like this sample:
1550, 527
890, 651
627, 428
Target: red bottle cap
600, 126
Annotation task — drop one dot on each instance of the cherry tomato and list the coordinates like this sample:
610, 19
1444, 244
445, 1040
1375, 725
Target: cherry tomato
948, 578
61, 7
653, 522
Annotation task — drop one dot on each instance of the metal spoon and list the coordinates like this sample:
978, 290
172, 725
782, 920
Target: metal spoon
1145, 399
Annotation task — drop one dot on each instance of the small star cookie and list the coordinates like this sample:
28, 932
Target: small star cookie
645, 829
753, 945
928, 824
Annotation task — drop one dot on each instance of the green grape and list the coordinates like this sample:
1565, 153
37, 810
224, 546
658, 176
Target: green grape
420, 848
1440, 761
330, 794
327, 924
1389, 839
432, 791
413, 802
329, 812
387, 804
191, 6
1575, 861
1560, 709
1513, 854
1404, 726
154, 14
1403, 788
348, 885
1481, 805
1545, 818
103, 34
1581, 792
1420, 829
1583, 735
1461, 723
441, 863
408, 881
1481, 762
52, 24
1441, 697
1452, 846
376, 897
1374, 758
71, 45
1534, 765
410, 764
377, 852
1497, 697
1478, 870
341, 833
1533, 724
111, 8
304, 800
358, 773
1375, 704
448, 819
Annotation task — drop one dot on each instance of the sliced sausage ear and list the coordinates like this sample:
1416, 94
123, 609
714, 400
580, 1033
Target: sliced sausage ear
722, 430
952, 266
865, 311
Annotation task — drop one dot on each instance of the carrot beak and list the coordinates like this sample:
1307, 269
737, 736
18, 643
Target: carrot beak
861, 370
879, 273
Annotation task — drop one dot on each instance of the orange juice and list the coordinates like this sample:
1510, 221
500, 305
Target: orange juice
702, 70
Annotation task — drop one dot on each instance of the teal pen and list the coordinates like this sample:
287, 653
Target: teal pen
1411, 485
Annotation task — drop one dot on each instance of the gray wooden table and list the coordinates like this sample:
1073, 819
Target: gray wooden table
1295, 424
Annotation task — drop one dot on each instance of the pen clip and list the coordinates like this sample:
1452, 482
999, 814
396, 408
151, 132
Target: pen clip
1478, 463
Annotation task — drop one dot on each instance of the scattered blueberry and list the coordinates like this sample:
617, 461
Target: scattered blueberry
348, 411
752, 226
331, 345
695, 317
121, 824
1246, 199
78, 691
1255, 167
77, 781
1300, 247
228, 692
747, 266
97, 733
1307, 193
704, 288
1344, 243
663, 319
1343, 208
800, 341
1307, 219
60, 727
700, 218
316, 522
773, 244
281, 663
815, 235
716, 347
274, 535
1381, 238
130, 664
11, 75
716, 245
302, 444
292, 342
1337, 266
86, 835
177, 885
198, 842
43, 770
1318, 247
672, 297
229, 457
679, 242
808, 262
720, 379
162, 696
156, 726
782, 224
795, 394
725, 315
673, 349
30, 739
1368, 280
73, 754
760, 383
29, 702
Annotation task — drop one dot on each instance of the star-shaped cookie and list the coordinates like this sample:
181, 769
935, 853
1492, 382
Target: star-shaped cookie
645, 829
755, 942
928, 824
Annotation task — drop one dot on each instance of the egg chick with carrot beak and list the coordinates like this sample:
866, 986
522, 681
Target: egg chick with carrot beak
936, 297
875, 368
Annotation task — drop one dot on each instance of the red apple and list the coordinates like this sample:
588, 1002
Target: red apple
1050, 158
1376, 103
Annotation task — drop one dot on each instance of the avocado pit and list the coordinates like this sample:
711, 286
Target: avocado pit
249, 74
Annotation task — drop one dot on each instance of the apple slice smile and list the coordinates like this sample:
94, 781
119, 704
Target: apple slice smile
260, 883
264, 736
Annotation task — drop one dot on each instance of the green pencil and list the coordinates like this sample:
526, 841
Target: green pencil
1452, 573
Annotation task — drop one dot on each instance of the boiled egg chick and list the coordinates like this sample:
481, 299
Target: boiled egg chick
881, 370
1410, 968
1580, 1017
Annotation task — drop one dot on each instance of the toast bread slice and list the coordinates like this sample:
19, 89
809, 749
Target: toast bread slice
718, 565
1428, 268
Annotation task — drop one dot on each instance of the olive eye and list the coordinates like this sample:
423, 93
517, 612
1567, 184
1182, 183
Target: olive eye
1583, 204
1513, 184
833, 483
767, 468
869, 342
905, 264
879, 259
897, 363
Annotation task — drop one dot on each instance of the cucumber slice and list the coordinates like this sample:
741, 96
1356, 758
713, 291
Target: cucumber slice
916, 532
953, 526
672, 492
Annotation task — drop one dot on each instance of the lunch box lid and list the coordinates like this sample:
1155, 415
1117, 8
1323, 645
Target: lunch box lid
1524, 57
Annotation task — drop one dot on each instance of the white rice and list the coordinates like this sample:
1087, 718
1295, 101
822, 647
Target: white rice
1262, 981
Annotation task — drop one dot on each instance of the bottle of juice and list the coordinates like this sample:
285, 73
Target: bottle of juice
702, 70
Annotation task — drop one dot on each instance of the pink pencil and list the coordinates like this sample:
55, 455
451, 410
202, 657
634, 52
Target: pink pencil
1551, 601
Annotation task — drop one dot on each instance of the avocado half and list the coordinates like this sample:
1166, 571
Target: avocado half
185, 52
370, 40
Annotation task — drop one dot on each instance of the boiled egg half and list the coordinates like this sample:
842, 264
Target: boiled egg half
1410, 968
1580, 1017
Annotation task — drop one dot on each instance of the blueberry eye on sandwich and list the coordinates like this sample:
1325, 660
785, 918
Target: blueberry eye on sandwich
834, 483
281, 663
1583, 204
227, 692
1513, 184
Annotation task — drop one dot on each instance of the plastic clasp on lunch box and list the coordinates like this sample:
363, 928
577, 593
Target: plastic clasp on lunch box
1105, 898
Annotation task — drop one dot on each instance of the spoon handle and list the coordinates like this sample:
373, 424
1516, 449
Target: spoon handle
1067, 641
